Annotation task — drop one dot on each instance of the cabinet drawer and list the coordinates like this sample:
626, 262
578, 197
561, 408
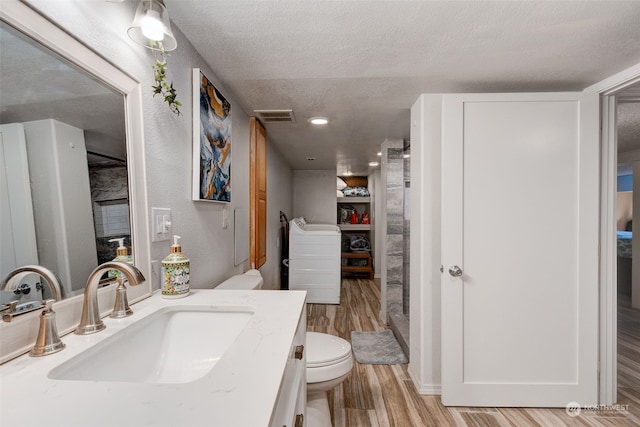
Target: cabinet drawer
292, 397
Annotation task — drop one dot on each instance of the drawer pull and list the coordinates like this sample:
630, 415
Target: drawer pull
298, 352
299, 419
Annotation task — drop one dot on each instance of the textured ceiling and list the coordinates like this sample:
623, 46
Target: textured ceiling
629, 126
36, 84
364, 63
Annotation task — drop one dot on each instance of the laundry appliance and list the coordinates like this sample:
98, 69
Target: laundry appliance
314, 260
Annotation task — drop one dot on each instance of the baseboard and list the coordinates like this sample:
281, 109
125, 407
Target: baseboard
431, 390
426, 389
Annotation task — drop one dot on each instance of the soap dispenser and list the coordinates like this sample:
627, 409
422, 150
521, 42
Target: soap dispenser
122, 255
175, 272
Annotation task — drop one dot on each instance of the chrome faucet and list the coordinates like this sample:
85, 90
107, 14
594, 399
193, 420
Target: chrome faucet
90, 320
48, 341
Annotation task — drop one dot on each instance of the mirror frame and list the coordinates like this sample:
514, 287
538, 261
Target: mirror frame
18, 336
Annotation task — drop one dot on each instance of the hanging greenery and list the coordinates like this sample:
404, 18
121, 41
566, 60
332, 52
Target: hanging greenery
162, 88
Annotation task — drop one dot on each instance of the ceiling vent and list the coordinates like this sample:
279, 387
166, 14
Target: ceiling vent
275, 116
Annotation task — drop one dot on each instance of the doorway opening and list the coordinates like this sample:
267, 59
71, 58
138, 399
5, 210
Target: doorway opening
615, 91
627, 131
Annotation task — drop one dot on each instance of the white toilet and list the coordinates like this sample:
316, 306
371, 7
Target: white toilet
329, 358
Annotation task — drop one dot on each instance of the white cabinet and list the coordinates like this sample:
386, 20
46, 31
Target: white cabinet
290, 409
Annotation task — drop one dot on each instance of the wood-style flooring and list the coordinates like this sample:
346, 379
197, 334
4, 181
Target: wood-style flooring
384, 395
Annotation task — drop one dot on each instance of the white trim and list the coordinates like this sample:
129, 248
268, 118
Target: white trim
616, 82
425, 389
19, 336
608, 289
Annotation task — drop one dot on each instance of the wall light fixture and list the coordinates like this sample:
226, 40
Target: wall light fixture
151, 27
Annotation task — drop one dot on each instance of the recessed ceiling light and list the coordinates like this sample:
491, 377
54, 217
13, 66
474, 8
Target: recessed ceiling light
374, 163
379, 153
406, 156
319, 120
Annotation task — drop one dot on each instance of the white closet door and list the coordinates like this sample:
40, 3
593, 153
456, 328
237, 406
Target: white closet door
520, 220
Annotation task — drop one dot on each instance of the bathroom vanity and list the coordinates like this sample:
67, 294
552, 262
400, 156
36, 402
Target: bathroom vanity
215, 358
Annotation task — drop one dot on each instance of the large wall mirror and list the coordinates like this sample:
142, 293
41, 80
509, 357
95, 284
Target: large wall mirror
70, 129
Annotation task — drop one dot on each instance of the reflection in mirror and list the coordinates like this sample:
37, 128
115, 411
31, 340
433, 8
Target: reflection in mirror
63, 180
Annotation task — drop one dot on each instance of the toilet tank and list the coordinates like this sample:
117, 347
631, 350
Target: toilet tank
251, 280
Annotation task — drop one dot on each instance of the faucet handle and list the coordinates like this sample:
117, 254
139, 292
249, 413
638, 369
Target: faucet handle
121, 307
48, 341
9, 310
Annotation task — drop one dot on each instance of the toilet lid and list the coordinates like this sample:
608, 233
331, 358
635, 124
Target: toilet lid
325, 349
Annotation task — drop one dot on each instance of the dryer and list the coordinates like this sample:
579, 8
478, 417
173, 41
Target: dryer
314, 260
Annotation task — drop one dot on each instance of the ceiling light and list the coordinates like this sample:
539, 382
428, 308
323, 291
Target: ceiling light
347, 173
406, 156
319, 120
374, 163
379, 153
151, 27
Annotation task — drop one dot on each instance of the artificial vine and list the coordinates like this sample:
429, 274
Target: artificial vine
162, 88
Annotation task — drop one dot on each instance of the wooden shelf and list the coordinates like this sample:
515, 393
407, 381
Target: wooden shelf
355, 255
354, 199
358, 268
355, 227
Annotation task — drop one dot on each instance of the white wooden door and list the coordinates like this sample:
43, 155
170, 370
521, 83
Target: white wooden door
17, 228
520, 218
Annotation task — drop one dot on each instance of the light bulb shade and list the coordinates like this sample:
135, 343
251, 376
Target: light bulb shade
151, 27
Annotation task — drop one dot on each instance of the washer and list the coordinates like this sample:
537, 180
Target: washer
314, 260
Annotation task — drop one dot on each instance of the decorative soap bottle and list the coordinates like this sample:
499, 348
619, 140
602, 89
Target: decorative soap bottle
175, 273
122, 255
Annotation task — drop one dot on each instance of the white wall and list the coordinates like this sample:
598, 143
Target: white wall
279, 191
424, 327
377, 233
168, 138
314, 196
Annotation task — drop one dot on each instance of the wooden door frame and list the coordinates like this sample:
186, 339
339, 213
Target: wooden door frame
254, 237
608, 356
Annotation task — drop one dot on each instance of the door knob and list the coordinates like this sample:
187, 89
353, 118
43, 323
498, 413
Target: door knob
455, 271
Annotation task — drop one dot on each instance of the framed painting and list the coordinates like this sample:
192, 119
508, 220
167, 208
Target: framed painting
211, 142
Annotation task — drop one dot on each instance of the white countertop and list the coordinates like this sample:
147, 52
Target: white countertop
240, 390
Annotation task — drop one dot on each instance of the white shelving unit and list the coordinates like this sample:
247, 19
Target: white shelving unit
360, 204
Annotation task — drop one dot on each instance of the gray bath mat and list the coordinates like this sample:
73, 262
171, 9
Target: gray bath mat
377, 348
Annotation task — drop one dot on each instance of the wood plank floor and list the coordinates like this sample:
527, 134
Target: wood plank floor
384, 395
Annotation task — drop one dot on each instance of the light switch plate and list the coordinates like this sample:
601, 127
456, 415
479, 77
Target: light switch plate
161, 228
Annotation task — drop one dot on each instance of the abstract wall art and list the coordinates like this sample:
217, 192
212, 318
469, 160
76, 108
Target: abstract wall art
211, 142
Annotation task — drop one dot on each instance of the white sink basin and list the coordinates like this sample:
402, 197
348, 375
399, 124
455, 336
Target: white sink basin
177, 344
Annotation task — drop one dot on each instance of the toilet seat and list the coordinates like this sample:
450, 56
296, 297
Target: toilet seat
328, 357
